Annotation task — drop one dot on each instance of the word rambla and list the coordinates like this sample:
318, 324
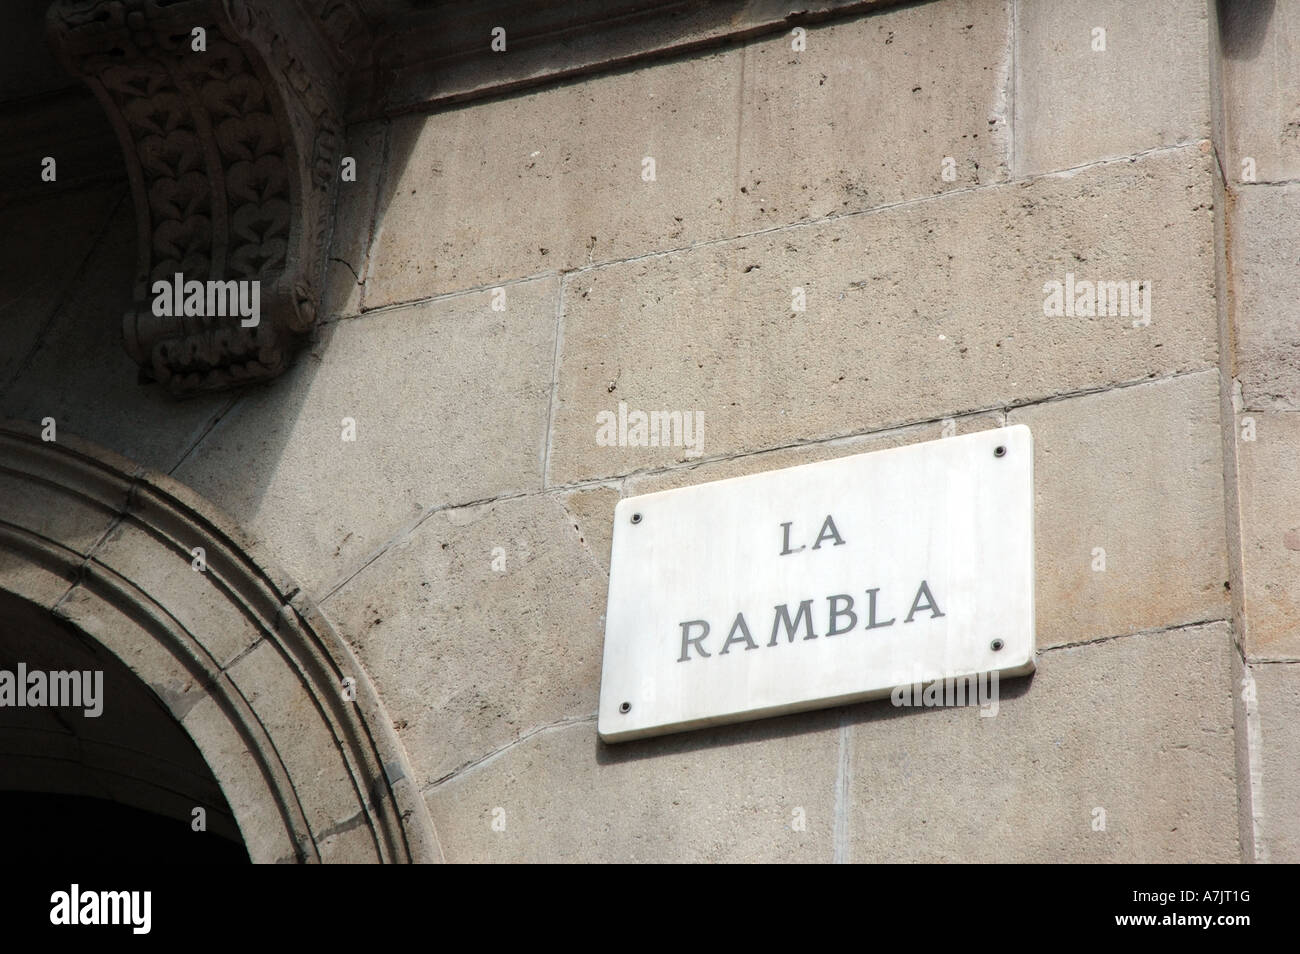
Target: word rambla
57, 689
981, 690
656, 429
1089, 299
214, 299
841, 618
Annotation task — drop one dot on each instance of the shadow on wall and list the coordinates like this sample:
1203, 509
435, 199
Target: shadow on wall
71, 254
1243, 25
461, 198
509, 159
802, 723
69, 363
443, 51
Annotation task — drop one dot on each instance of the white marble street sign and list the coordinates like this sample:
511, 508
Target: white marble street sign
821, 584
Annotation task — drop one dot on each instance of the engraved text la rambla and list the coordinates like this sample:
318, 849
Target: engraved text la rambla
841, 616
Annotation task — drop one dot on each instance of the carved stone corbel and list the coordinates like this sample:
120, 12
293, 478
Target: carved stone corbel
232, 154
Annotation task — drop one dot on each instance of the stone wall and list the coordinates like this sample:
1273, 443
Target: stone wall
505, 269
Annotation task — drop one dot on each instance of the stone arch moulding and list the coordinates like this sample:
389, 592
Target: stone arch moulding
237, 653
232, 154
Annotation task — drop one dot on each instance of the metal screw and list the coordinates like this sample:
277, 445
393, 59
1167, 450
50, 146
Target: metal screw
996, 645
1000, 451
625, 708
636, 518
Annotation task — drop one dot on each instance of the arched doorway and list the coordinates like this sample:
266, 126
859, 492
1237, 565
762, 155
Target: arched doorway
97, 767
100, 557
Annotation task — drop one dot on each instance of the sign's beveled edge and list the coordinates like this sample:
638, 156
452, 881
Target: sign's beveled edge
1025, 668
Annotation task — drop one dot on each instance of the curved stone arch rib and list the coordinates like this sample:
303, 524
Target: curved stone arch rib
237, 653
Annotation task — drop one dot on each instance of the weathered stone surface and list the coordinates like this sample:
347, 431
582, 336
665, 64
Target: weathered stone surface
275, 691
354, 213
805, 454
1136, 472
591, 513
242, 783
192, 598
819, 170
1245, 736
742, 139
1139, 727
913, 313
55, 514
1277, 693
449, 400
93, 607
481, 626
1075, 105
928, 82
736, 794
1263, 247
1268, 480
1261, 89
477, 196
80, 375
433, 59
352, 843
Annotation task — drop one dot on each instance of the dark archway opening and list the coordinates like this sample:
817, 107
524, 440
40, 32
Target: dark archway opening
40, 826
98, 769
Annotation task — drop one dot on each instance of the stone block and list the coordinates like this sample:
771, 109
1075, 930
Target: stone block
195, 599
759, 792
914, 313
482, 625
1140, 728
1263, 247
354, 212
742, 139
1268, 481
310, 755
1277, 696
235, 766
81, 376
1261, 89
1149, 86
805, 454
449, 400
1137, 473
